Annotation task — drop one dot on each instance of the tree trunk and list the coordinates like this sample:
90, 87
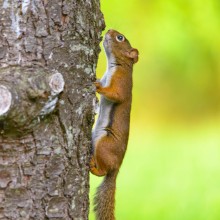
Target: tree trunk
48, 56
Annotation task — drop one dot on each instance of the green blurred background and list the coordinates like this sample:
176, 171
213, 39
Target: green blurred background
171, 170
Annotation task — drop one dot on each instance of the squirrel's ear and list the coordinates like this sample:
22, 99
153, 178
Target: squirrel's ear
133, 53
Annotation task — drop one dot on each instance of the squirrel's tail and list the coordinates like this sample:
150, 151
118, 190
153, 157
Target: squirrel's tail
105, 197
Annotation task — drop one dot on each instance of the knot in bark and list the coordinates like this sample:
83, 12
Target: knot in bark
27, 95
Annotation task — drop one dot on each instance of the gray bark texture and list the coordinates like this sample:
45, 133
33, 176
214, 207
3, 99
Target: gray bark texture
48, 56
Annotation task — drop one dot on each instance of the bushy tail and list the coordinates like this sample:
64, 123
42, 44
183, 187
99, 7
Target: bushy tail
105, 198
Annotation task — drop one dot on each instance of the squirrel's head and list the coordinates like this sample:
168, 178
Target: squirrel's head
118, 47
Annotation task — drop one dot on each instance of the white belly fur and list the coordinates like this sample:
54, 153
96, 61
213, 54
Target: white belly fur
104, 110
103, 119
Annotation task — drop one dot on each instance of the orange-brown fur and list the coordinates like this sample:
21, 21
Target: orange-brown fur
109, 149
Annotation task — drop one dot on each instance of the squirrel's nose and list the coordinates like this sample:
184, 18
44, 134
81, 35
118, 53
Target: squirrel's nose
110, 31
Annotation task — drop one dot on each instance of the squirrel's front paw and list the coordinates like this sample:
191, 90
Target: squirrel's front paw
92, 163
98, 86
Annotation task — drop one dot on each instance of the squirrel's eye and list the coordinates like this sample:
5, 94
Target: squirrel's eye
120, 38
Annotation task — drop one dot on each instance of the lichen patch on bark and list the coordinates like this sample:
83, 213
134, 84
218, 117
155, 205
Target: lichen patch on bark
5, 99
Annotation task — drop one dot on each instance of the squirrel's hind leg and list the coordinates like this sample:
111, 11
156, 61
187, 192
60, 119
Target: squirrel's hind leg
94, 169
104, 158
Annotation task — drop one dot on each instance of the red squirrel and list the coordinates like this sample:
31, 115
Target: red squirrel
110, 135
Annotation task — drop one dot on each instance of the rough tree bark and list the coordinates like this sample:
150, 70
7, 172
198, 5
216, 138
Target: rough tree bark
48, 56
